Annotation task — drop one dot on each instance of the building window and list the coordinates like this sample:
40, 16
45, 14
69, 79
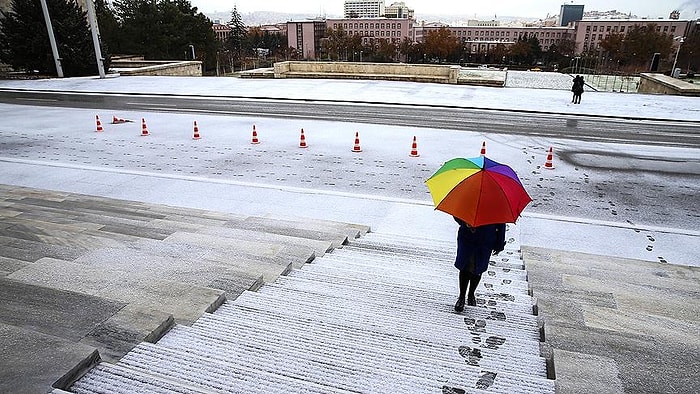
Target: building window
595, 28
673, 29
622, 29
608, 29
588, 28
665, 29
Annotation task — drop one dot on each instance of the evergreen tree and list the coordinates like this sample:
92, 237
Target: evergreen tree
238, 34
164, 30
24, 39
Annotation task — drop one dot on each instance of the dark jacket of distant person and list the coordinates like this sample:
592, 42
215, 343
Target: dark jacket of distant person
476, 244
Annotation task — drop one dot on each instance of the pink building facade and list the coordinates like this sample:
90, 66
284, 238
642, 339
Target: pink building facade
590, 32
481, 39
305, 37
587, 34
390, 29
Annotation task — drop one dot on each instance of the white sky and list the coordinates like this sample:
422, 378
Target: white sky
535, 9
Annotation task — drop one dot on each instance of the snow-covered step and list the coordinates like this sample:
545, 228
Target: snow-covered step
407, 275
418, 266
297, 330
245, 370
509, 341
206, 365
486, 283
473, 318
395, 267
106, 378
399, 239
505, 259
426, 301
427, 261
512, 237
489, 298
348, 367
374, 241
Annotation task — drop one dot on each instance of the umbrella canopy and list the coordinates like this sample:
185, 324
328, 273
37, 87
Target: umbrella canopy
478, 190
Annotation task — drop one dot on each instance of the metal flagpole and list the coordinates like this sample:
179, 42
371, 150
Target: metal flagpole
95, 37
52, 39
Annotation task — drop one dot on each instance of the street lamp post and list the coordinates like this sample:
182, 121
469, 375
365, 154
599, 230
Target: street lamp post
52, 39
94, 29
680, 42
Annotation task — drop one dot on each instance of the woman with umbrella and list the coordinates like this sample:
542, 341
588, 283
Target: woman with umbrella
474, 248
482, 195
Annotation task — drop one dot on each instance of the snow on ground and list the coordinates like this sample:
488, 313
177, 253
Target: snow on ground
381, 186
546, 99
538, 80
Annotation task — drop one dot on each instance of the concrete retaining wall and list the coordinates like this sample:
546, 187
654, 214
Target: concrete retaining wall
663, 84
384, 71
159, 68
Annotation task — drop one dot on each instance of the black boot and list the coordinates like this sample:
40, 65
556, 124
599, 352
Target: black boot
473, 283
459, 305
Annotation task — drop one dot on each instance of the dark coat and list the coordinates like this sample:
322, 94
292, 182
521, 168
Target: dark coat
475, 245
577, 87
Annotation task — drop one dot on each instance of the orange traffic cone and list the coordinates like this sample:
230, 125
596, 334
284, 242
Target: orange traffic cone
116, 120
483, 149
302, 140
356, 147
548, 164
144, 129
255, 136
99, 124
414, 148
196, 135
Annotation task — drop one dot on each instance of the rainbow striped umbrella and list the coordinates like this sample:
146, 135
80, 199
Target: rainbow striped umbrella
478, 190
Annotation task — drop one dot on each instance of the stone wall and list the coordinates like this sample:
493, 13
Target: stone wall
663, 84
351, 70
155, 68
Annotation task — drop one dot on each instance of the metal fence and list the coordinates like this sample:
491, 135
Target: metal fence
627, 83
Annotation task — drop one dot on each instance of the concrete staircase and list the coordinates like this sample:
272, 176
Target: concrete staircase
375, 315
86, 278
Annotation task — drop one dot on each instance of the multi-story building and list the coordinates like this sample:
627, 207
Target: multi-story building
398, 10
364, 8
590, 32
482, 39
305, 37
221, 31
569, 13
478, 38
391, 29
